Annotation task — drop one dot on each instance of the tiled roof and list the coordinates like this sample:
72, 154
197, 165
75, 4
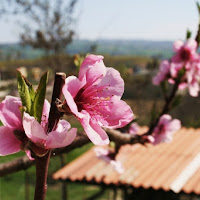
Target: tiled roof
169, 166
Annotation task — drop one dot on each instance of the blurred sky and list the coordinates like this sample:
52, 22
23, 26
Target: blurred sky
126, 19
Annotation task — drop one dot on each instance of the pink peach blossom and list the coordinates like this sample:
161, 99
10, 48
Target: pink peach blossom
12, 135
165, 129
185, 52
134, 128
187, 57
10, 116
192, 77
36, 132
95, 99
163, 73
183, 67
103, 154
148, 138
175, 68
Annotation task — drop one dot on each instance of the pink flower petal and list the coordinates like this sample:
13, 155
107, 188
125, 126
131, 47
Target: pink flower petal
73, 85
28, 153
174, 125
60, 139
115, 114
117, 166
165, 67
191, 44
164, 119
177, 45
92, 61
9, 112
175, 68
158, 78
149, 138
69, 93
95, 133
163, 73
134, 128
182, 86
9, 144
46, 109
71, 103
104, 155
194, 89
165, 129
162, 138
45, 114
63, 125
112, 83
33, 129
101, 152
185, 52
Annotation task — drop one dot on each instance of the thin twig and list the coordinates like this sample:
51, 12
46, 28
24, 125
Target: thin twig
166, 107
54, 114
42, 163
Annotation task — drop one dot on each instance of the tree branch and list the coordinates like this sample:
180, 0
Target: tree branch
166, 107
15, 165
54, 114
24, 163
42, 163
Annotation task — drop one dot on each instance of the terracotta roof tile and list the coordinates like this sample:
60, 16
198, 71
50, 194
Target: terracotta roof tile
168, 166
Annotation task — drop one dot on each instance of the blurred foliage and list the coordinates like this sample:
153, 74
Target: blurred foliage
142, 48
45, 24
139, 91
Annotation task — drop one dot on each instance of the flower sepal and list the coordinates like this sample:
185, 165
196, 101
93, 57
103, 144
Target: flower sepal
36, 150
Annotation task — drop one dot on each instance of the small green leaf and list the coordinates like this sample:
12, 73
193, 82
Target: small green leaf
197, 38
31, 90
181, 73
176, 101
24, 88
22, 110
188, 34
40, 97
32, 95
198, 6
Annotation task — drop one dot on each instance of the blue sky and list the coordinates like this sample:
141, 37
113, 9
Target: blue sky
126, 19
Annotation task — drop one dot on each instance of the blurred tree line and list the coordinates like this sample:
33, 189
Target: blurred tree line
46, 24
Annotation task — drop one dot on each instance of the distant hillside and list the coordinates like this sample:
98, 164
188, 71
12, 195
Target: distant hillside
161, 49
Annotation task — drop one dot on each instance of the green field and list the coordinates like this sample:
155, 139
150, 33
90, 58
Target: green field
13, 186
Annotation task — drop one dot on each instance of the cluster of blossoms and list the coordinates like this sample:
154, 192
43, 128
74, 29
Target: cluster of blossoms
106, 155
25, 133
183, 67
165, 129
163, 132
94, 98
